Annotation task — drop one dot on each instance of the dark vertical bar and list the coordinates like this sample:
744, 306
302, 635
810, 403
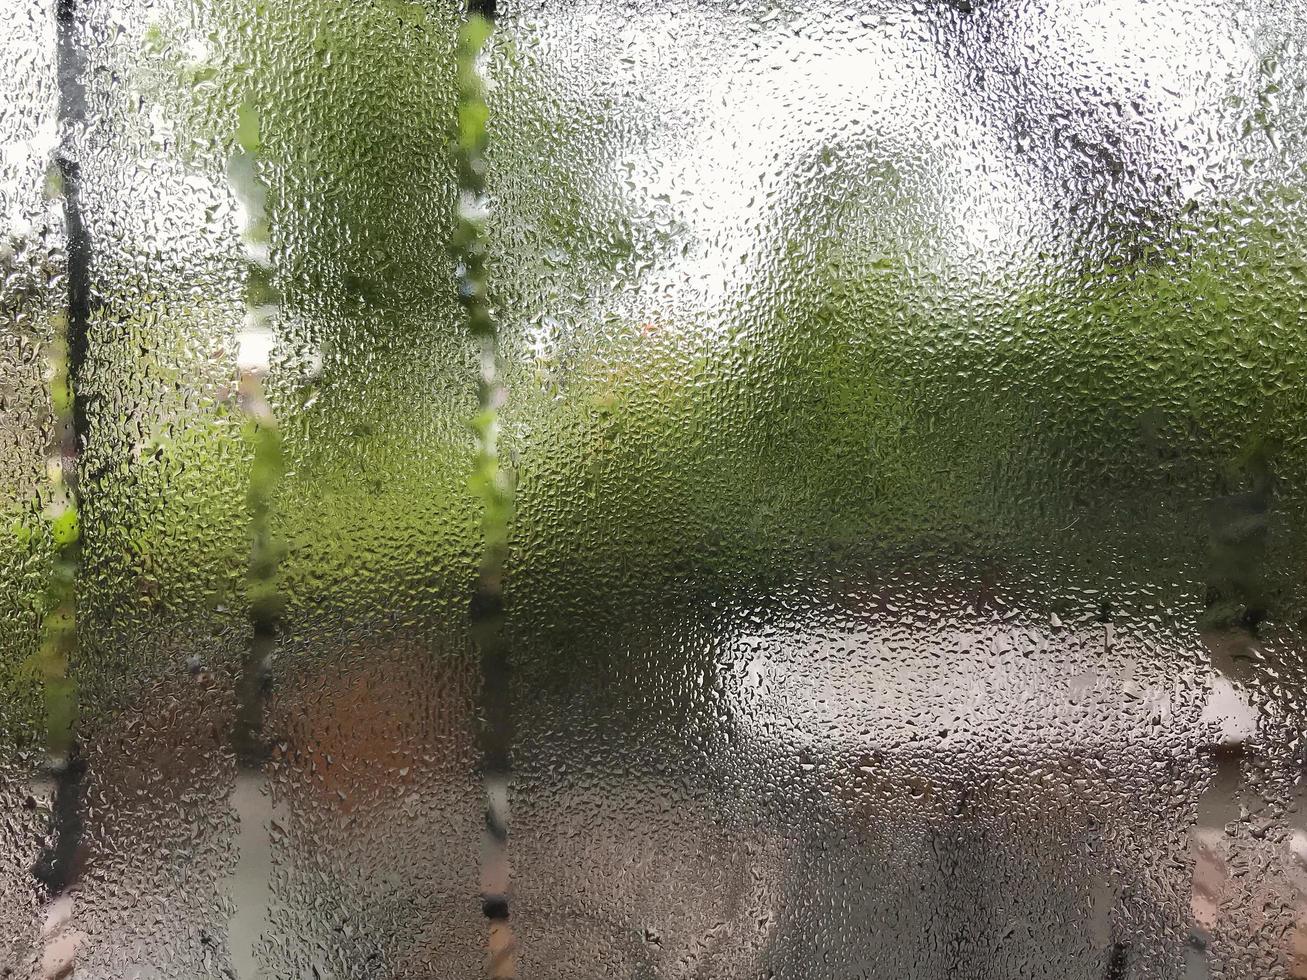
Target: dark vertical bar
493, 484
71, 111
1118, 962
263, 435
1239, 534
252, 885
56, 868
263, 578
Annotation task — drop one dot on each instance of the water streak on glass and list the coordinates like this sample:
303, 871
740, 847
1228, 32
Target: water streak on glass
251, 802
57, 867
491, 483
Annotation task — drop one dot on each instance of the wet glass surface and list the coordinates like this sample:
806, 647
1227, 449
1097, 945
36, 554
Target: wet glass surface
677, 490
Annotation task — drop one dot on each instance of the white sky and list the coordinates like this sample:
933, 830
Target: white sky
882, 93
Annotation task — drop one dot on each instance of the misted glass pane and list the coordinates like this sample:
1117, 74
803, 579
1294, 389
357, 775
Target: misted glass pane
653, 490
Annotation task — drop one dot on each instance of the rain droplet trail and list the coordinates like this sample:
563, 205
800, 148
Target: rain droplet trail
251, 799
56, 869
492, 484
